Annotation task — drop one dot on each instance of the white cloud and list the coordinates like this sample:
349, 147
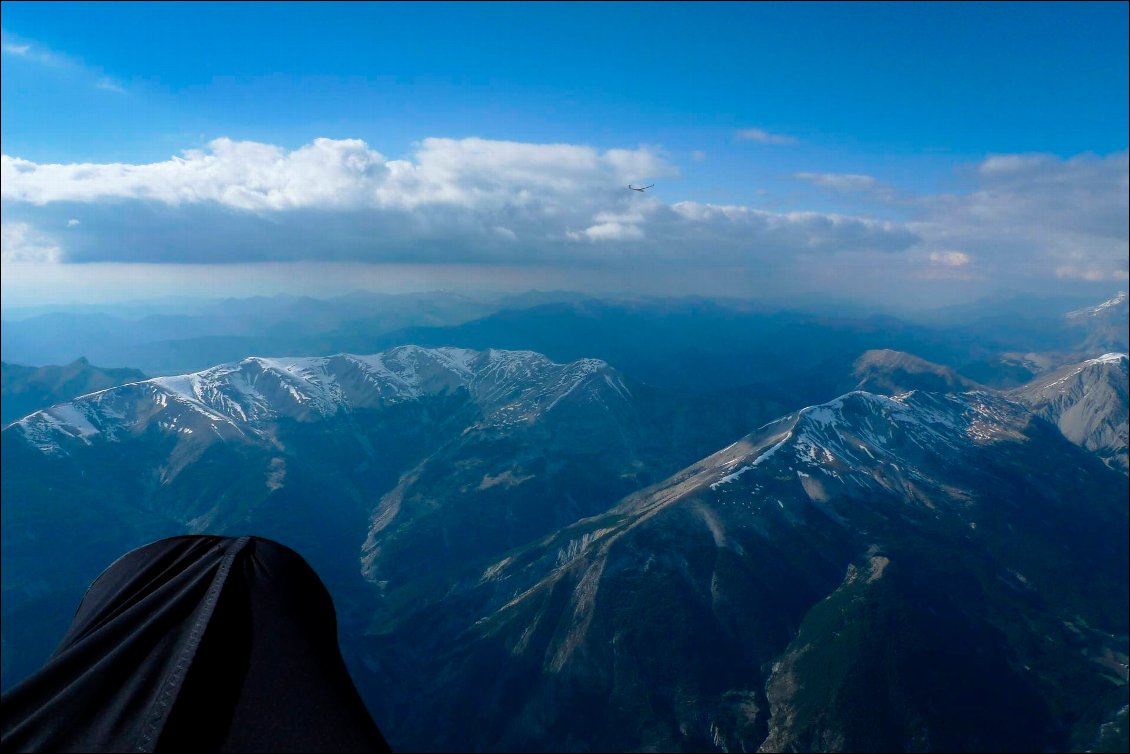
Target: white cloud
764, 137
847, 182
339, 174
796, 232
1092, 273
19, 242
609, 231
451, 200
241, 175
482, 202
1011, 164
949, 258
109, 85
57, 63
31, 51
1038, 216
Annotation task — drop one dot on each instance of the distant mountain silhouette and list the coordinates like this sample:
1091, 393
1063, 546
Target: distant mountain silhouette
28, 389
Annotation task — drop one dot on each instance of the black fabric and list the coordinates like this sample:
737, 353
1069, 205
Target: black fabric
196, 644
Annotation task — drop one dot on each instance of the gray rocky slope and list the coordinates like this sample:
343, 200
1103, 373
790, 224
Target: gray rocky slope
1088, 402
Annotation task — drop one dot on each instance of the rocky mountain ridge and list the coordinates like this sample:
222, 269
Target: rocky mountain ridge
791, 591
1088, 402
516, 545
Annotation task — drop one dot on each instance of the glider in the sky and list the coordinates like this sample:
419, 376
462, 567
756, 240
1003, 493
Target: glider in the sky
641, 189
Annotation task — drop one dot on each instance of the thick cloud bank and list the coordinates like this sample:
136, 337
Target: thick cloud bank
477, 201
456, 200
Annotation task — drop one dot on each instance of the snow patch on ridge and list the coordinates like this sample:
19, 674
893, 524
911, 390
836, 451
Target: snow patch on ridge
859, 435
1094, 311
765, 456
70, 417
246, 396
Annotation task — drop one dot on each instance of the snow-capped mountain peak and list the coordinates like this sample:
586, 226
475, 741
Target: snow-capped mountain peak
860, 432
1109, 358
243, 398
1088, 402
1094, 311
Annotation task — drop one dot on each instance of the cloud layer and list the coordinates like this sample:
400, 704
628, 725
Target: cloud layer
19, 242
1038, 216
343, 174
477, 201
453, 200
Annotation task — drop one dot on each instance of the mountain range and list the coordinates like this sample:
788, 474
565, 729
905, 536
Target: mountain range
867, 574
508, 442
552, 555
687, 344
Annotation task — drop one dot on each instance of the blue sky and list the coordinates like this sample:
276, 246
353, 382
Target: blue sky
888, 115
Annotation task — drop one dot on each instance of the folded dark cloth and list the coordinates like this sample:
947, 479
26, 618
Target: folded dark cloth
197, 643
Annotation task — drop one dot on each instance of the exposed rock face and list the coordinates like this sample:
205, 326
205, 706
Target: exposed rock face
923, 572
1089, 404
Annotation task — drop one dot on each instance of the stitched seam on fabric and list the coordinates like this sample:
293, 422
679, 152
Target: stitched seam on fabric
170, 687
